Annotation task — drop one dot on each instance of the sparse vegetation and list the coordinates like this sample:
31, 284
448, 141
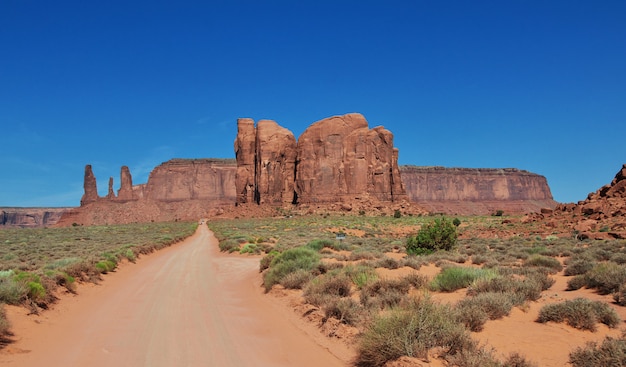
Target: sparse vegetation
611, 353
580, 313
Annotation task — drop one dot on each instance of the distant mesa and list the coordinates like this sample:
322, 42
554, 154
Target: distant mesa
337, 164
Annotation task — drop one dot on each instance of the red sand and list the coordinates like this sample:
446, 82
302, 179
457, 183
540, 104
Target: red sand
187, 305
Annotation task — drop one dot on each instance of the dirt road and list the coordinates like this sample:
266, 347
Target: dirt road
187, 305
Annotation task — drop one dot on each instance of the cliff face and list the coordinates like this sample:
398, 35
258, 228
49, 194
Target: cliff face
30, 217
477, 190
192, 179
340, 159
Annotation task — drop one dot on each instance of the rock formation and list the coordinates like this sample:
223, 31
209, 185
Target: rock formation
340, 159
110, 193
245, 153
275, 163
600, 216
179, 189
266, 159
125, 193
90, 186
30, 217
338, 163
477, 190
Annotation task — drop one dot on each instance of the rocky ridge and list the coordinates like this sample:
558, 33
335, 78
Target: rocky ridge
602, 215
30, 217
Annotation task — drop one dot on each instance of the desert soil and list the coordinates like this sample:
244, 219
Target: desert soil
187, 305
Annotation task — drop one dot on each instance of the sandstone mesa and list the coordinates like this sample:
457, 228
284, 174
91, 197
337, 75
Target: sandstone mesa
337, 164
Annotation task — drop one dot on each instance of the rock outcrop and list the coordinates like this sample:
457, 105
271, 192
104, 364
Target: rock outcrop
339, 159
601, 216
90, 186
266, 160
125, 193
179, 189
30, 217
477, 190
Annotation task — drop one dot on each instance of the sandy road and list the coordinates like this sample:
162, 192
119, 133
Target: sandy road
187, 305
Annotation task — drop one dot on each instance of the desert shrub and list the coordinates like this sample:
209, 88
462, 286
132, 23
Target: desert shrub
267, 260
482, 357
620, 295
413, 262
439, 234
606, 277
496, 305
521, 290
11, 291
229, 245
544, 261
361, 275
250, 248
576, 282
411, 330
472, 316
105, 266
456, 222
5, 325
363, 255
580, 313
385, 292
327, 285
479, 259
287, 262
453, 278
319, 244
578, 266
397, 213
296, 280
611, 353
416, 280
346, 310
386, 262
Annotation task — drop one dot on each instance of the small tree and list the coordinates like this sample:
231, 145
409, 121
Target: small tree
439, 234
456, 222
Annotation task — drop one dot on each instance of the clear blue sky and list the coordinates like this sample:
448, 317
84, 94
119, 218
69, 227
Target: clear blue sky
535, 85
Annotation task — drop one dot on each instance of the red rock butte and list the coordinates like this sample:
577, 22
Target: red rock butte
338, 163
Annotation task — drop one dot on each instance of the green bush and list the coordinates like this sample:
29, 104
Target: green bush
580, 313
411, 331
296, 280
229, 245
288, 262
319, 244
439, 234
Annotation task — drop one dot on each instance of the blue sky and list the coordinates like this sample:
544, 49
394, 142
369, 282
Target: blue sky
535, 85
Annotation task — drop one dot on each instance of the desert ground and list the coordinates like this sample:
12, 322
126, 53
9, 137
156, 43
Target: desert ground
186, 305
192, 304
